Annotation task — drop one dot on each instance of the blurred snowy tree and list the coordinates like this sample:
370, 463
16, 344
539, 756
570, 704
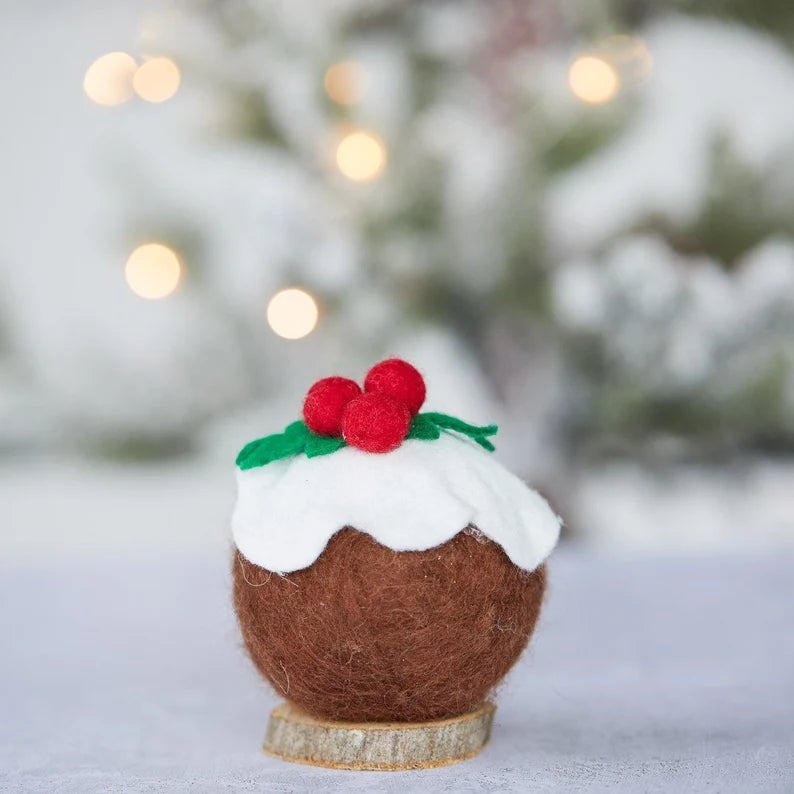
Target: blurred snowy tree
668, 347
588, 230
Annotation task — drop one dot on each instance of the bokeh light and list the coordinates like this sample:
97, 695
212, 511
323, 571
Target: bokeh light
108, 80
153, 271
345, 82
292, 313
156, 80
593, 79
361, 156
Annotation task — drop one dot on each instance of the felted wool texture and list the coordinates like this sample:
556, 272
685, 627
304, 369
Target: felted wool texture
375, 423
398, 379
414, 498
325, 402
371, 634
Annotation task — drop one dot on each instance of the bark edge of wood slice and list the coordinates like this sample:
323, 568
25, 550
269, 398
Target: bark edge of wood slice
293, 735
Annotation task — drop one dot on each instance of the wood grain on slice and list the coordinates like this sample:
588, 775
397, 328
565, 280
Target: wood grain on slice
293, 735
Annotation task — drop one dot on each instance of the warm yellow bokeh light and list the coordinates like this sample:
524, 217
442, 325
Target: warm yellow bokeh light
292, 313
593, 79
108, 80
361, 156
153, 271
156, 79
345, 82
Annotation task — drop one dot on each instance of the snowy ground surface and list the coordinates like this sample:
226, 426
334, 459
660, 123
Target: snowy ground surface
121, 668
125, 674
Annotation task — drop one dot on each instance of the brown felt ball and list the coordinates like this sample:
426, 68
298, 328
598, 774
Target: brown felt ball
371, 634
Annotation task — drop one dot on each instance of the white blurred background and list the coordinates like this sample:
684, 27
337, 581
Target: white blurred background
577, 220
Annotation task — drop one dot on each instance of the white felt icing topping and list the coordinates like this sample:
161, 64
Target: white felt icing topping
416, 497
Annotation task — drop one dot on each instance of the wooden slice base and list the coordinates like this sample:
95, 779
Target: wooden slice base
293, 735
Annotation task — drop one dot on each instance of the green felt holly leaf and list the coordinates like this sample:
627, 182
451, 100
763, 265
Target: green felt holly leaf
274, 447
322, 445
423, 429
478, 434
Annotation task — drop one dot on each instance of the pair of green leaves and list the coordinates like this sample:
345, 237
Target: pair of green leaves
297, 439
428, 427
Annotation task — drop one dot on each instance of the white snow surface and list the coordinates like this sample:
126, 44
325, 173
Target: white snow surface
414, 498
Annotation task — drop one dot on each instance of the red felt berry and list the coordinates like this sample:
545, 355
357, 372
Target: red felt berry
375, 422
325, 402
398, 379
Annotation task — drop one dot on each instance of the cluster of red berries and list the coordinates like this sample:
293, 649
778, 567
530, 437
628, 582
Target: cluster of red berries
375, 420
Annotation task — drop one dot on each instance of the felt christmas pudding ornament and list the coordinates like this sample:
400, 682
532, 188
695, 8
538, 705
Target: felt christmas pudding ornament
388, 573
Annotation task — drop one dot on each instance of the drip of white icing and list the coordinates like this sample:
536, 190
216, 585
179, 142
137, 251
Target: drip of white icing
414, 498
